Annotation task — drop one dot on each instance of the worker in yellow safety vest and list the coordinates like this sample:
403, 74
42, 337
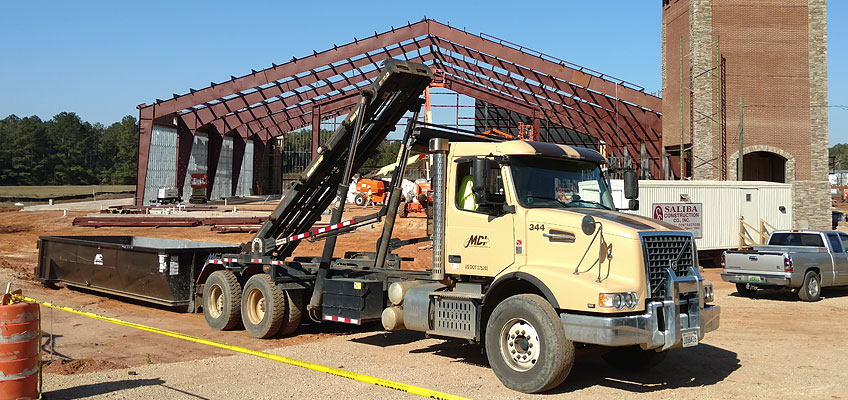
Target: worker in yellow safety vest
465, 194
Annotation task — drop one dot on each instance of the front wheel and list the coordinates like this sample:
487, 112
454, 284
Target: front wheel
359, 199
526, 344
811, 288
746, 289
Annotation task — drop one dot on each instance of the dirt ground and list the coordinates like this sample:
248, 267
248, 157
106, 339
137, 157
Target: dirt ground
68, 338
771, 346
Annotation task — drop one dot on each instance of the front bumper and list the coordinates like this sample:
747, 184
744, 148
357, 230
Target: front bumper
754, 278
660, 327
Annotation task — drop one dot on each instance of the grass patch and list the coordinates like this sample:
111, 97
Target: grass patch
47, 192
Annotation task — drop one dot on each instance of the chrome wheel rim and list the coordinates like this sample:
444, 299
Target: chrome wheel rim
520, 345
255, 306
814, 287
215, 302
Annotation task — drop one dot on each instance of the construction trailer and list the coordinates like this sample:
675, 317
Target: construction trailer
519, 269
722, 214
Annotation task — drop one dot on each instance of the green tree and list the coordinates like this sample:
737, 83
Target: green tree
119, 152
839, 153
6, 150
75, 143
29, 152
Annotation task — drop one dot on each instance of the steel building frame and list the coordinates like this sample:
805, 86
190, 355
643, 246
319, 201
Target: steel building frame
304, 91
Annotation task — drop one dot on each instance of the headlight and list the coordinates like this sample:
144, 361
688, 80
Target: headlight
618, 300
708, 293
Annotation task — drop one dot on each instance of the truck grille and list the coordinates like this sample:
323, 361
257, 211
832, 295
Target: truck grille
660, 253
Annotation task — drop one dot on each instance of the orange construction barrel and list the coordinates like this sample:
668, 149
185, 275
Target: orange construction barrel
19, 344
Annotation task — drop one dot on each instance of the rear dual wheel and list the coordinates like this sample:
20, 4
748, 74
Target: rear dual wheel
267, 311
222, 301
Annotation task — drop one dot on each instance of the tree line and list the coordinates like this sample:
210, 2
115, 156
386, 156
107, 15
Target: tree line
66, 150
839, 157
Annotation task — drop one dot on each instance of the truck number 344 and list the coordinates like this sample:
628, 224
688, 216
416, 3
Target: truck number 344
537, 227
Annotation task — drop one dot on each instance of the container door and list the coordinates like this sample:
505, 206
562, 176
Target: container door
749, 211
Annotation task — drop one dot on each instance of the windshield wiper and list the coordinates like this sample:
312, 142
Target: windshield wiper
564, 204
592, 202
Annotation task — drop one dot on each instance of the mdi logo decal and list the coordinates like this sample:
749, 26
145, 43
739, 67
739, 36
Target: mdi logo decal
477, 241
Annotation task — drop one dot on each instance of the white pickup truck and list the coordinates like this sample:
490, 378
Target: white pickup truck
802, 260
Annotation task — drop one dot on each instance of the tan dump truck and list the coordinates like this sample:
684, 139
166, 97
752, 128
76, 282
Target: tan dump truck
530, 259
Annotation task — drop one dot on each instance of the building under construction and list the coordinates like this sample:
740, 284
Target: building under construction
249, 133
226, 130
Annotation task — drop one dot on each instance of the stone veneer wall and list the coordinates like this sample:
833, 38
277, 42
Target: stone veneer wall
812, 198
701, 77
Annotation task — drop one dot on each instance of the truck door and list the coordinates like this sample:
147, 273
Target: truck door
841, 268
478, 240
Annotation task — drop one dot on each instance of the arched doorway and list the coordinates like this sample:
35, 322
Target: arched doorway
764, 166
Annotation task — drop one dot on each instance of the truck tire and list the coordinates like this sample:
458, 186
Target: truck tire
294, 310
263, 307
359, 199
746, 289
526, 344
811, 288
222, 301
403, 212
634, 358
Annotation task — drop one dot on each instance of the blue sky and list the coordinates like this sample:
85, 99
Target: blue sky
100, 59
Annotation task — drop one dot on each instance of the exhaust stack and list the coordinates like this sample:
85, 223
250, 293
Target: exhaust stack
438, 149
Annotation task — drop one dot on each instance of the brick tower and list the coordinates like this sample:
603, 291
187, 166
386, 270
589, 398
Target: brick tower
774, 56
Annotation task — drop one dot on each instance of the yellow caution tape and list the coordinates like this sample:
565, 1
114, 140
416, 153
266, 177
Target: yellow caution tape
303, 364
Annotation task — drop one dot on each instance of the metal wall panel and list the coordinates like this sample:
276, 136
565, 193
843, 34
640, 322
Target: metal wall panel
162, 164
197, 162
245, 183
722, 203
224, 174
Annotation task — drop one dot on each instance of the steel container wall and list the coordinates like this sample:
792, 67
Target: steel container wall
722, 205
223, 185
160, 271
19, 343
162, 166
197, 163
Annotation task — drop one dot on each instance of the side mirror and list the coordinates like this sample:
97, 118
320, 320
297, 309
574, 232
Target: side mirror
631, 185
634, 205
480, 176
588, 225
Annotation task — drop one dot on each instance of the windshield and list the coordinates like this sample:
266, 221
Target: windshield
550, 182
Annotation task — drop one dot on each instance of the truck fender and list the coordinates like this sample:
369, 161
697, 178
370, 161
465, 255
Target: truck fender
207, 270
523, 276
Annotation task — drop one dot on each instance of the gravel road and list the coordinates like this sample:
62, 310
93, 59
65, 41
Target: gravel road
769, 347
